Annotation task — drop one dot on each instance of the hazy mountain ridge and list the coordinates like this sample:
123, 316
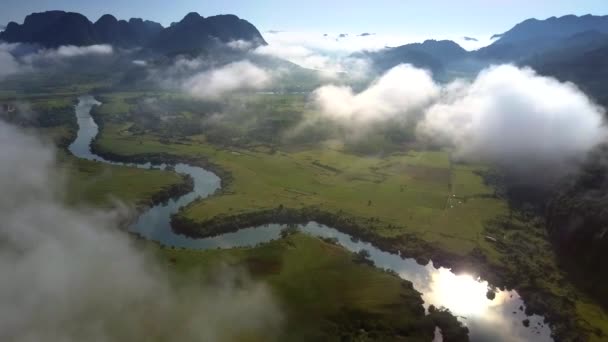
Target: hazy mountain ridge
135, 32
562, 27
185, 36
433, 55
534, 36
194, 33
555, 46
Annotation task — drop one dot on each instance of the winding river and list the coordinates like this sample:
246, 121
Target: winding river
488, 320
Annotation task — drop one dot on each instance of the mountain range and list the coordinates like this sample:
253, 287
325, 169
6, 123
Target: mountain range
193, 34
571, 48
524, 41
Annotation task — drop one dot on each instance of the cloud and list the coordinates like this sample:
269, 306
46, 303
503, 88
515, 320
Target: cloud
314, 52
507, 116
328, 43
67, 52
8, 63
71, 275
402, 91
514, 115
233, 77
140, 62
20, 58
242, 45
77, 51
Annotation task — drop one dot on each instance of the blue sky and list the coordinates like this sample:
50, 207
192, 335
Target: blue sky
431, 17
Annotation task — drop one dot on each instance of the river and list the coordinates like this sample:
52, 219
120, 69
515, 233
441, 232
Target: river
499, 319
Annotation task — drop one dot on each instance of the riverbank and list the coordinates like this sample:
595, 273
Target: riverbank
402, 206
560, 314
346, 299
407, 245
411, 322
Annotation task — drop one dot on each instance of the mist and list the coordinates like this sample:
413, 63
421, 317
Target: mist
69, 274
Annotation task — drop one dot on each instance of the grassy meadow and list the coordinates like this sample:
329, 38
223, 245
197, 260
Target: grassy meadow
394, 195
417, 193
323, 292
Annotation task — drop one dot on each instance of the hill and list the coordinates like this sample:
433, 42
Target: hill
194, 33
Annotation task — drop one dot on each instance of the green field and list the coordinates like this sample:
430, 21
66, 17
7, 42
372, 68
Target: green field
345, 298
102, 185
324, 294
417, 193
394, 196
407, 193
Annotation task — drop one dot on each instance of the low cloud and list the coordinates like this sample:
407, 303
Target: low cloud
402, 91
512, 114
140, 62
62, 53
230, 78
78, 51
507, 115
20, 58
72, 275
332, 43
8, 63
242, 45
330, 60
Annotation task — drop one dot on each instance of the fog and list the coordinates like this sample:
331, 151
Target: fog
71, 275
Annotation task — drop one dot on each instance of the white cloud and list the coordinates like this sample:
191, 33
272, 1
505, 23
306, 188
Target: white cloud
512, 114
331, 54
331, 43
403, 90
76, 51
72, 275
506, 115
8, 63
313, 51
233, 77
19, 58
243, 45
61, 53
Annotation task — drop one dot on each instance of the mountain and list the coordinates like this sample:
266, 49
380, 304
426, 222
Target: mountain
432, 55
194, 34
135, 32
576, 220
584, 63
533, 36
51, 29
553, 27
